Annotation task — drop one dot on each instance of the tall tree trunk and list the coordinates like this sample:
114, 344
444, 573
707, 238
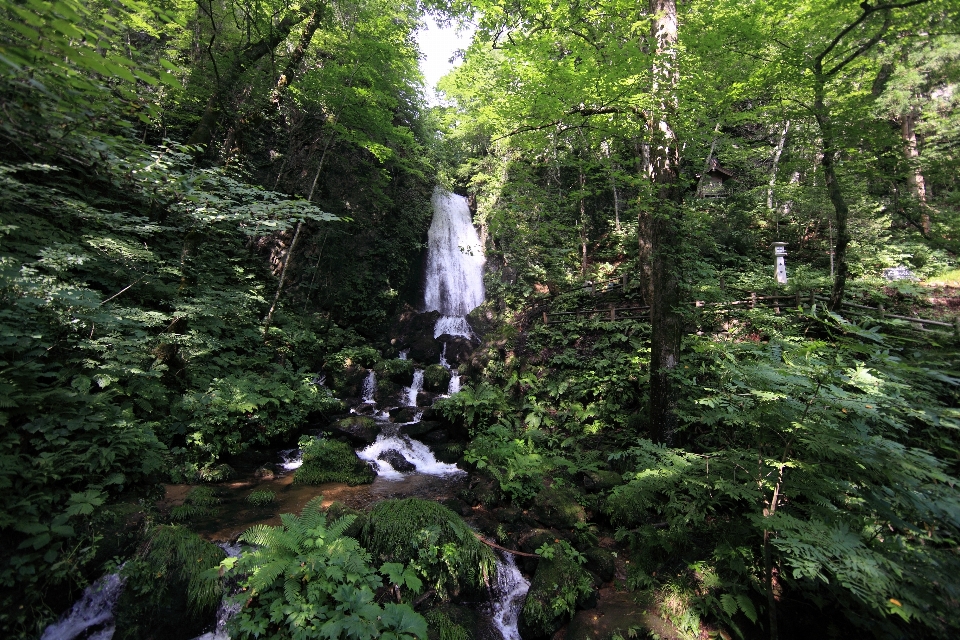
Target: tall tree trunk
664, 225
240, 60
777, 152
918, 186
834, 191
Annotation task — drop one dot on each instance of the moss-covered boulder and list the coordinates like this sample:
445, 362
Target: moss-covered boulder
433, 536
166, 593
451, 452
599, 481
331, 461
558, 507
559, 587
449, 621
359, 430
436, 378
397, 371
601, 562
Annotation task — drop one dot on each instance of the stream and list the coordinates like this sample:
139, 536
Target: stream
405, 466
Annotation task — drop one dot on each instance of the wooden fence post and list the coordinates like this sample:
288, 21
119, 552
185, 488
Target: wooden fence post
956, 327
753, 299
613, 312
813, 298
545, 321
883, 312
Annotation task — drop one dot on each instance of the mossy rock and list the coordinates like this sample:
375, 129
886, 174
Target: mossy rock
338, 509
166, 594
436, 378
451, 452
601, 562
559, 587
397, 371
418, 429
332, 461
359, 430
451, 622
433, 536
558, 507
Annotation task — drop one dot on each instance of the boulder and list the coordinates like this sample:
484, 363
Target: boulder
451, 452
438, 436
559, 581
436, 378
403, 414
458, 349
414, 331
558, 507
419, 429
599, 481
600, 562
396, 460
359, 430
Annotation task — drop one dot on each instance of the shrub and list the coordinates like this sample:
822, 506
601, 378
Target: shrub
261, 498
200, 502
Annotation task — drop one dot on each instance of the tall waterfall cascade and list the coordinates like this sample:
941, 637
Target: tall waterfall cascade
453, 279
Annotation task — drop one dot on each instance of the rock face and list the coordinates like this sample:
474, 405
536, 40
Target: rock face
359, 430
436, 379
396, 460
458, 349
414, 331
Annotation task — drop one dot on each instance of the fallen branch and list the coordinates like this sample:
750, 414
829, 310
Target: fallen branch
496, 546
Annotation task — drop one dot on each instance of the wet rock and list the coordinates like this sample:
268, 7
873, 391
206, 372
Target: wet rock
458, 506
386, 390
598, 481
403, 414
364, 410
459, 349
436, 378
396, 460
414, 330
558, 507
601, 562
419, 429
507, 514
397, 371
426, 398
359, 430
451, 452
439, 436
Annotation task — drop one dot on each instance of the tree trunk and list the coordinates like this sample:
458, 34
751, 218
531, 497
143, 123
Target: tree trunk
664, 225
240, 61
778, 151
918, 186
834, 191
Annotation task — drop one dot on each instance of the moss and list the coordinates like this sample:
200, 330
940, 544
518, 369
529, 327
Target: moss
450, 622
167, 594
200, 502
432, 536
332, 461
436, 378
558, 507
215, 472
261, 498
559, 587
397, 371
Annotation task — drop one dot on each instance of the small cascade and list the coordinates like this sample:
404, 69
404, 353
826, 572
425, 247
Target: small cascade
369, 387
90, 617
291, 459
414, 451
404, 354
411, 392
443, 357
454, 383
507, 596
228, 607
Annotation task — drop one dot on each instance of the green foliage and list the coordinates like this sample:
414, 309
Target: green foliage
305, 579
445, 628
261, 498
200, 502
331, 461
558, 588
812, 445
476, 406
431, 539
168, 588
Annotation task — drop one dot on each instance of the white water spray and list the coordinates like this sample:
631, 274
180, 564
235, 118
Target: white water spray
414, 451
90, 617
414, 389
454, 383
507, 596
369, 387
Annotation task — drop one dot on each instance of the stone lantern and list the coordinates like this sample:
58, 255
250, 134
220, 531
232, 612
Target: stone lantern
779, 253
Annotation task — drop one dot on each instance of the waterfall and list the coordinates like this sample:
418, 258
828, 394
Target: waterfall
415, 388
507, 596
454, 383
404, 353
454, 273
90, 617
414, 451
369, 386
228, 606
